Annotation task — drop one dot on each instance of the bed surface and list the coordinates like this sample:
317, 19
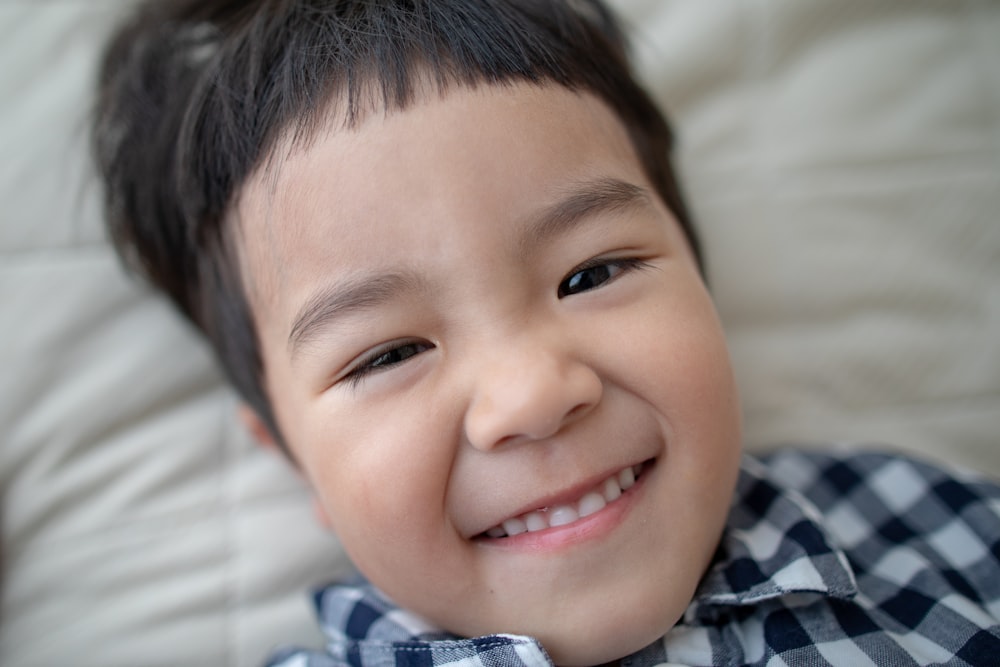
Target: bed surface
842, 158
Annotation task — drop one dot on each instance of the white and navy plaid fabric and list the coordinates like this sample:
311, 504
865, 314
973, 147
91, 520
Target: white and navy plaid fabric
865, 559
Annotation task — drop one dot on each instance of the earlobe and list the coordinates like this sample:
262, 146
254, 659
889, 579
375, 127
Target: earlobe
256, 426
262, 434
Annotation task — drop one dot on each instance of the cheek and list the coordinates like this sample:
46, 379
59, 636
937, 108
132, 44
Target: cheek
678, 342
380, 480
681, 366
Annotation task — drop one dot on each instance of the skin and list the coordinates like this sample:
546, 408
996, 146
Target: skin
510, 341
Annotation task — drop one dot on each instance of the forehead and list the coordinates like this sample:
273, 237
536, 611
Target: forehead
389, 190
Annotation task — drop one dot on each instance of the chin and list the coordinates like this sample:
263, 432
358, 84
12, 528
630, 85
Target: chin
612, 639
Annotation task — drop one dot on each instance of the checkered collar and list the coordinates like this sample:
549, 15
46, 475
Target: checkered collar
774, 546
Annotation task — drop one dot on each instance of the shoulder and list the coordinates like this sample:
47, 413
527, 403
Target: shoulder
921, 543
905, 525
892, 482
875, 502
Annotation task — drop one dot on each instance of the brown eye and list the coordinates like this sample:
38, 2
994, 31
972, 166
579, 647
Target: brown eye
586, 279
386, 357
595, 273
395, 356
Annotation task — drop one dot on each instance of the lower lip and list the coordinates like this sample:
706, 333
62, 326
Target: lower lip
592, 527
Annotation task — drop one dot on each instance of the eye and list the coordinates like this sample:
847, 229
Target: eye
594, 273
384, 358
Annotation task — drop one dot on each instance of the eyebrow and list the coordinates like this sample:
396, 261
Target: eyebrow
361, 293
584, 200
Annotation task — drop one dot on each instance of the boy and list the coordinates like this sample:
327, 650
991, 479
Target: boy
440, 252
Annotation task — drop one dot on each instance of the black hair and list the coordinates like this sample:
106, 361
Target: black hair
195, 94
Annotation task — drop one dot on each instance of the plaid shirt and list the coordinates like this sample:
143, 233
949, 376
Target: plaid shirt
860, 560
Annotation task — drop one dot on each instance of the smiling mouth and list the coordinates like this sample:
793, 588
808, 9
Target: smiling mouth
593, 501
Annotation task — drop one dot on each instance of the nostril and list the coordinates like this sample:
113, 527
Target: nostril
529, 402
577, 410
504, 440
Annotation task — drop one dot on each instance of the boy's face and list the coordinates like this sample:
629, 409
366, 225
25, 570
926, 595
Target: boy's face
476, 316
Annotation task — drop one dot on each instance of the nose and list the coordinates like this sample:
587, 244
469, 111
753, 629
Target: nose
528, 391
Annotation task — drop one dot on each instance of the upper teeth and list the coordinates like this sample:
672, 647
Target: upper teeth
559, 515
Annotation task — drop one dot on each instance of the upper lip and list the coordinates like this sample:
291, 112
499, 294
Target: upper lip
566, 495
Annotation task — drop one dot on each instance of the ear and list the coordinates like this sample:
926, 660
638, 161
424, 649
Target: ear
262, 434
258, 429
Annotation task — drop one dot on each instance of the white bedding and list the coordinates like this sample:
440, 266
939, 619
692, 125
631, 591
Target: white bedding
842, 158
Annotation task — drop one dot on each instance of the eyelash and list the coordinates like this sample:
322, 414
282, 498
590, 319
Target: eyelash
375, 362
370, 364
623, 265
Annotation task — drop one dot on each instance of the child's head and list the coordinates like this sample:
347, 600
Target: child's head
439, 250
